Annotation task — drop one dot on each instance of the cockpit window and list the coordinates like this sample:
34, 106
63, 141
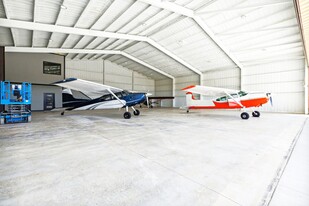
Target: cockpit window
221, 99
106, 97
125, 93
119, 94
242, 93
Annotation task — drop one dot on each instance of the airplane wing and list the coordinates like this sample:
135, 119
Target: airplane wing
209, 91
91, 89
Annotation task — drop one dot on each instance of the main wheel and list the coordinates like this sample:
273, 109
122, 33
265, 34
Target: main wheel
187, 111
136, 112
127, 115
62, 113
244, 115
256, 113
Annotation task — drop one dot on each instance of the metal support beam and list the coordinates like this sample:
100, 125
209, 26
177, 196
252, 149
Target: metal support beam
66, 30
85, 51
244, 8
86, 32
2, 69
210, 33
146, 64
190, 13
306, 88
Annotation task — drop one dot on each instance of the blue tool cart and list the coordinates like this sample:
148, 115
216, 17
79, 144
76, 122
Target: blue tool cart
17, 100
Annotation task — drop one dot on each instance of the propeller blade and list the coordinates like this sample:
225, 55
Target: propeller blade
271, 100
147, 101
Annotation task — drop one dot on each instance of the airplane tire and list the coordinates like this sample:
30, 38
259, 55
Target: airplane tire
62, 113
244, 115
127, 115
256, 114
136, 112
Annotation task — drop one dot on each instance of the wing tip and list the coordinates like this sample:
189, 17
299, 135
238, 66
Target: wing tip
65, 80
188, 87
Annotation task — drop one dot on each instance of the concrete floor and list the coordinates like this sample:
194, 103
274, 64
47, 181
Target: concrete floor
163, 157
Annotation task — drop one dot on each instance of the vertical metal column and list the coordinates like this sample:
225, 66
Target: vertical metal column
2, 69
306, 88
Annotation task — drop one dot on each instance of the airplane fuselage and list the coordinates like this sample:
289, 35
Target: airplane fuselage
107, 101
226, 102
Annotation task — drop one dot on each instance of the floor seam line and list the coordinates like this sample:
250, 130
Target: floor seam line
267, 200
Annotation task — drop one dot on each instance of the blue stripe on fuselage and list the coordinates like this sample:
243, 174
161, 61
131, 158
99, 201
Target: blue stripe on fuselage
134, 98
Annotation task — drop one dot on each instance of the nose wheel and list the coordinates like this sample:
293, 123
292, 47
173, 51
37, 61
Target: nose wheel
256, 114
136, 112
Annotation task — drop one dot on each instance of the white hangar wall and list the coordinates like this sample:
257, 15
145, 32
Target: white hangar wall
227, 78
28, 67
284, 79
182, 82
164, 87
106, 72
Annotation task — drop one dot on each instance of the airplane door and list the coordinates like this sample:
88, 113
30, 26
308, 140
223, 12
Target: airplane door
49, 101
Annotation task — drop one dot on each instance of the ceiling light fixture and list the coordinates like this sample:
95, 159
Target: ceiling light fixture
243, 16
63, 6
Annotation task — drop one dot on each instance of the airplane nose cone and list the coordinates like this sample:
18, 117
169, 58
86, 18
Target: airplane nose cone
270, 98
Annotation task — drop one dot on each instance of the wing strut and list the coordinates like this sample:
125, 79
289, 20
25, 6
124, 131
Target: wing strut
234, 99
112, 93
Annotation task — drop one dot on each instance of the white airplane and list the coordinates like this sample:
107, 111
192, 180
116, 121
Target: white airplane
226, 99
99, 97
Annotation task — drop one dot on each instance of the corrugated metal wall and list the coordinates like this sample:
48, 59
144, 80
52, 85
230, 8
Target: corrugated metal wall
106, 72
142, 83
228, 78
284, 79
88, 70
164, 87
182, 82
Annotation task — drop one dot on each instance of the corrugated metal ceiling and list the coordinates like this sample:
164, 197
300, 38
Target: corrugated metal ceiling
252, 31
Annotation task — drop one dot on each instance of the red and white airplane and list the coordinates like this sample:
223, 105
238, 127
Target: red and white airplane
226, 99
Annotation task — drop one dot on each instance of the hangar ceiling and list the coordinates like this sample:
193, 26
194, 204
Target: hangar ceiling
161, 38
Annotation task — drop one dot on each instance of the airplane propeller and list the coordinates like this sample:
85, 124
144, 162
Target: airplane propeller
270, 98
147, 100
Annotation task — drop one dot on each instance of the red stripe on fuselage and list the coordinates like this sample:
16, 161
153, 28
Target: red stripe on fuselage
233, 105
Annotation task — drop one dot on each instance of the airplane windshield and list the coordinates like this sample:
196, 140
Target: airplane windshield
125, 93
234, 95
242, 93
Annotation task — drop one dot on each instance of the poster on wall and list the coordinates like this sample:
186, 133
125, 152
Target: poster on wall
51, 68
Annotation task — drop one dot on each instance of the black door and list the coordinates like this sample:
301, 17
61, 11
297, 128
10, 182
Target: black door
49, 101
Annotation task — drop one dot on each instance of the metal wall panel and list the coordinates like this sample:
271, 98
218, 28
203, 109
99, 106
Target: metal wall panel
182, 82
87, 70
284, 79
38, 96
142, 83
164, 87
106, 72
229, 78
21, 67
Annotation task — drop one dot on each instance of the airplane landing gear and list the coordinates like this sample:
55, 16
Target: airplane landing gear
256, 114
62, 113
187, 111
244, 115
136, 112
127, 115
